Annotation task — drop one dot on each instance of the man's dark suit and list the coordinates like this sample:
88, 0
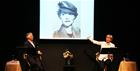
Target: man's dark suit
27, 44
33, 57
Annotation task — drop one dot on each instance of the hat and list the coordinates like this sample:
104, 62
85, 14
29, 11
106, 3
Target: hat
67, 7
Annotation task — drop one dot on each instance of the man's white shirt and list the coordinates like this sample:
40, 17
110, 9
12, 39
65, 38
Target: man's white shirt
32, 44
103, 44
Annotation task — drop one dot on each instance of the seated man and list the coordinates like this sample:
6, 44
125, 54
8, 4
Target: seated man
104, 44
32, 55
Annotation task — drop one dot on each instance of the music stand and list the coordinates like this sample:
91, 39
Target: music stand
109, 50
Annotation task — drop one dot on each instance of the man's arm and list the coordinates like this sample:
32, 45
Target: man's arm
94, 41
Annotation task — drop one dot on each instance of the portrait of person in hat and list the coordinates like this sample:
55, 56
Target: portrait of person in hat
67, 13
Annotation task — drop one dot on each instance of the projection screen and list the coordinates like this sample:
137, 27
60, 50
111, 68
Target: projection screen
66, 19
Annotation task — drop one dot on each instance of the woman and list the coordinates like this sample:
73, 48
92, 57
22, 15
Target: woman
67, 13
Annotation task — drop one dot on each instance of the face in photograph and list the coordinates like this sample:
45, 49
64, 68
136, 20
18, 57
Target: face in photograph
67, 19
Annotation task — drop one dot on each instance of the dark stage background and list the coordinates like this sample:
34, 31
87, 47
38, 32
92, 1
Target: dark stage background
115, 17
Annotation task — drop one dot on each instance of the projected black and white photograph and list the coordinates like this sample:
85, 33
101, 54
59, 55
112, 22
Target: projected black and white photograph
66, 19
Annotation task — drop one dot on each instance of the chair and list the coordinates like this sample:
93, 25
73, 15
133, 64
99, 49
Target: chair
13, 65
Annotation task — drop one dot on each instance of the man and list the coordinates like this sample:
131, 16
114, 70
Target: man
67, 13
30, 43
32, 55
104, 44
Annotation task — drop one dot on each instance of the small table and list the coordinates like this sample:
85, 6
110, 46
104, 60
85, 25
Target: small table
13, 65
127, 66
